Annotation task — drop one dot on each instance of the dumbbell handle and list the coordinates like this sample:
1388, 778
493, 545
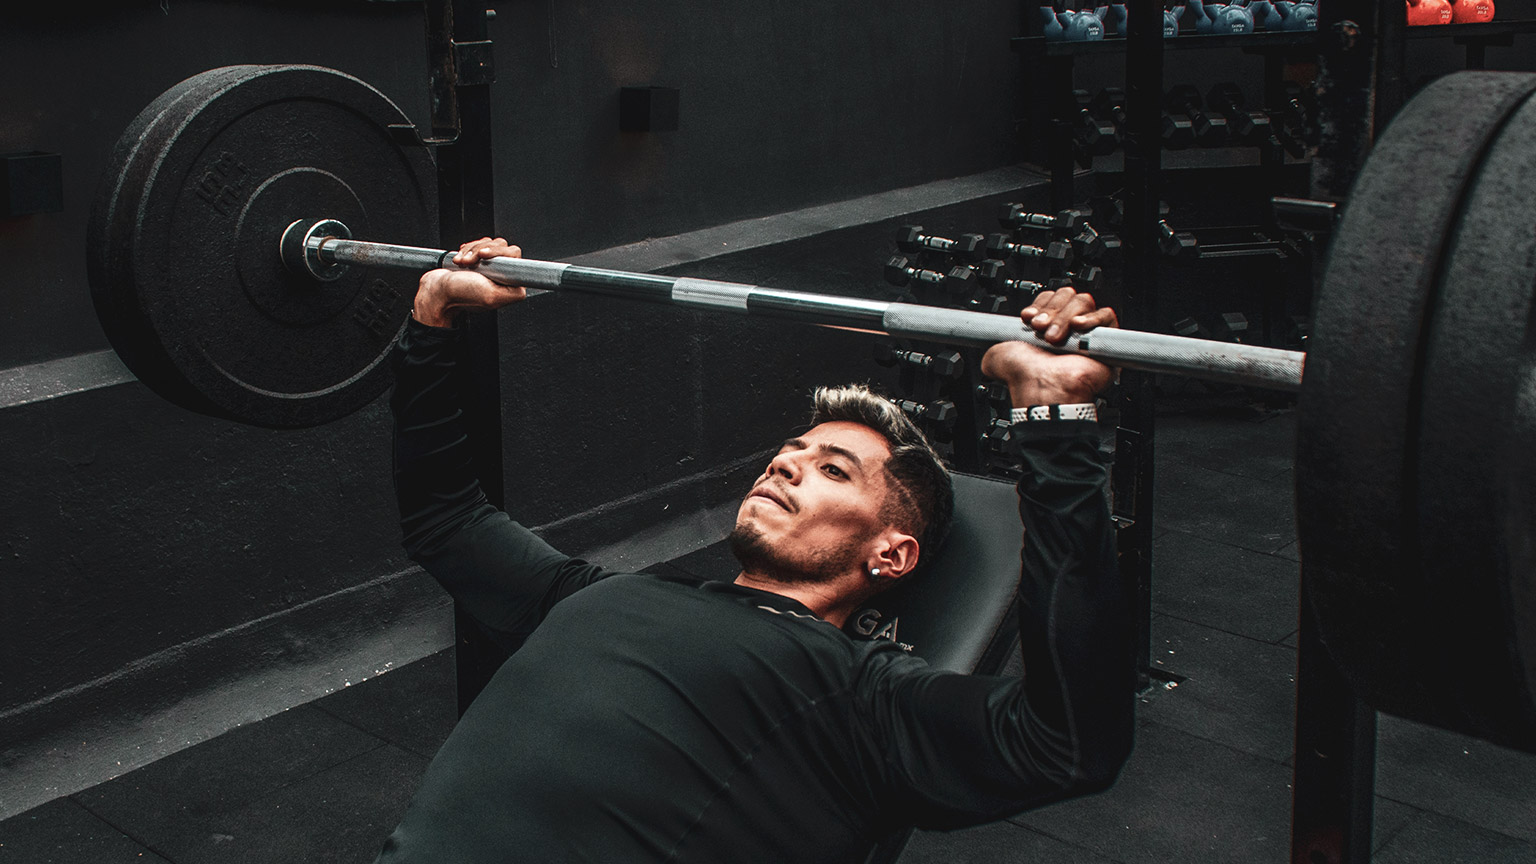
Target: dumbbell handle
1250, 365
1033, 220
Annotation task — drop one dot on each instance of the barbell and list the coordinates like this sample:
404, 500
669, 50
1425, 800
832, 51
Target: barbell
225, 272
322, 249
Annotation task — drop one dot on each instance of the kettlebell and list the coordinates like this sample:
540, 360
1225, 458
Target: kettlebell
1297, 16
1428, 12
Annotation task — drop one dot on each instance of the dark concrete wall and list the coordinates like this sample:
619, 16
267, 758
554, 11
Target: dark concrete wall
130, 528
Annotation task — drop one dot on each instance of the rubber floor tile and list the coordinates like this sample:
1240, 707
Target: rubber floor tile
995, 843
1237, 691
1235, 442
63, 832
413, 707
1435, 839
1225, 587
225, 773
1252, 514
1454, 775
1388, 819
1180, 798
339, 816
1293, 551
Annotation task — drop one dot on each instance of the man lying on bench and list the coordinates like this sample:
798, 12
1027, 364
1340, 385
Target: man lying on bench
656, 718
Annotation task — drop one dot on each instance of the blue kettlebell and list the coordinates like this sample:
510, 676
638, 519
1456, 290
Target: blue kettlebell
1265, 15
1050, 25
1081, 26
1297, 16
1223, 19
1112, 18
1197, 11
1171, 21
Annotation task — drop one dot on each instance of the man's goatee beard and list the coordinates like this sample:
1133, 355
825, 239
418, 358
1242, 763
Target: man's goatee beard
758, 558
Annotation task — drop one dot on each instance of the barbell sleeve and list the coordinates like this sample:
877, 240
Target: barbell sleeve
1205, 359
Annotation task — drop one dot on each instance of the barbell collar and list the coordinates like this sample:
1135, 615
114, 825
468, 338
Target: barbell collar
1205, 359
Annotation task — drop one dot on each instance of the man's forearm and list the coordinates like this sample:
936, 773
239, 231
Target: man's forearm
435, 483
1075, 618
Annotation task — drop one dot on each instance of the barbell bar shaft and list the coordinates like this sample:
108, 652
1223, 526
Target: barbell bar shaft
1205, 359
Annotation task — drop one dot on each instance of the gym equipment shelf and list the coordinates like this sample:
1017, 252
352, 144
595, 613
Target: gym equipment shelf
1281, 41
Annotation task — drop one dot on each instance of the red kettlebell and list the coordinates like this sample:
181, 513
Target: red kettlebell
1471, 11
1426, 12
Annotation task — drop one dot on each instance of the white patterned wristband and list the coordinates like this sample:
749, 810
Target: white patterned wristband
1073, 411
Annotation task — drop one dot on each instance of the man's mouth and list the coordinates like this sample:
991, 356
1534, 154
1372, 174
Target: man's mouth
771, 495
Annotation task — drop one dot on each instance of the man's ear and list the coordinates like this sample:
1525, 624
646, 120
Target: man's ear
895, 555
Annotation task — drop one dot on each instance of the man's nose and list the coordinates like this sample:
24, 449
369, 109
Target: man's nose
786, 465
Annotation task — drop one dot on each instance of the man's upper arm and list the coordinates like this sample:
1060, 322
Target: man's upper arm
959, 749
953, 750
505, 576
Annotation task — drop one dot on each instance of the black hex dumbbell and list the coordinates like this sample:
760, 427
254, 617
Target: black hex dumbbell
1232, 327
998, 438
995, 280
1178, 131
1082, 279
1095, 135
1176, 244
945, 364
995, 394
1190, 328
1290, 139
1298, 105
988, 304
1090, 245
1002, 248
1016, 216
1109, 104
937, 417
1249, 127
1109, 210
1298, 328
1210, 128
958, 281
966, 247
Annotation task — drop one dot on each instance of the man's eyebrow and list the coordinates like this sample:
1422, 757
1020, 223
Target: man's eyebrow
801, 444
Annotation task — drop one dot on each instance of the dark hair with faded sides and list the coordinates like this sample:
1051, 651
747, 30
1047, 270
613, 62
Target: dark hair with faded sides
922, 498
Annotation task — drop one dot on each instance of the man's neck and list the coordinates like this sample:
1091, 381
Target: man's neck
831, 601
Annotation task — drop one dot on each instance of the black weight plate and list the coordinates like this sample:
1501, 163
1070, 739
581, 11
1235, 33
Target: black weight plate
1474, 474
109, 233
210, 318
1358, 404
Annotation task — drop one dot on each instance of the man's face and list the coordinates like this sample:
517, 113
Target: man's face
813, 512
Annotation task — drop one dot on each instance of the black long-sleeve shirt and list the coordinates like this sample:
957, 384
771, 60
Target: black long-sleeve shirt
650, 718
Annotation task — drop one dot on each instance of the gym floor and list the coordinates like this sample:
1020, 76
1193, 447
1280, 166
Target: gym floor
1209, 781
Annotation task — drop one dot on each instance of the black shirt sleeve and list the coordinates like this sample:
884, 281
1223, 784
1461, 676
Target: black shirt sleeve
502, 573
961, 749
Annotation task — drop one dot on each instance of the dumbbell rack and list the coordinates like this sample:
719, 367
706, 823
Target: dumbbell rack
1057, 65
1144, 259
996, 274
